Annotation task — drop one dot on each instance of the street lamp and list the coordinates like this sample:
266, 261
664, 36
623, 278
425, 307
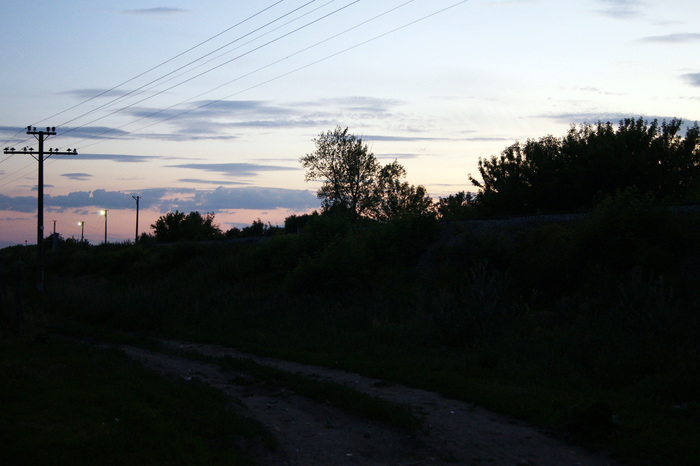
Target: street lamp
82, 230
104, 212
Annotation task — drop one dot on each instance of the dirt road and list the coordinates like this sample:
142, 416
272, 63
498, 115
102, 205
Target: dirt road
310, 433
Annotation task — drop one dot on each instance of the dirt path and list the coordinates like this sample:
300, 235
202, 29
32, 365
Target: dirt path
310, 433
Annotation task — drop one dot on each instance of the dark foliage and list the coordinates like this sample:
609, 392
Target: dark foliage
460, 206
256, 229
176, 226
355, 184
589, 163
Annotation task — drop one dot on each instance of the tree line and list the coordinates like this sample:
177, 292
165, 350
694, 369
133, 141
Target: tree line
571, 173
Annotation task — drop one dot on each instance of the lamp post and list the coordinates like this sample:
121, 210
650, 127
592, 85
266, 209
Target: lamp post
104, 212
82, 230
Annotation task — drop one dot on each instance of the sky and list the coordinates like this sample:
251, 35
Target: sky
208, 105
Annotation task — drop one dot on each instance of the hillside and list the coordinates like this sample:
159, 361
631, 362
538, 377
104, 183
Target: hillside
540, 321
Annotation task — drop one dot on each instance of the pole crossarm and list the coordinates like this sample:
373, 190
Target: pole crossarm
40, 155
33, 153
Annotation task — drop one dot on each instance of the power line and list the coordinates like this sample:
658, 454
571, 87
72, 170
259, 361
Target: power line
153, 81
136, 91
308, 65
209, 103
136, 77
13, 137
163, 63
208, 71
227, 52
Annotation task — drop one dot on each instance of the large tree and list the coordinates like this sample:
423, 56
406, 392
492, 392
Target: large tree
348, 170
590, 162
355, 182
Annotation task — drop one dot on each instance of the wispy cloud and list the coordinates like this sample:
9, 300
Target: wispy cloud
208, 119
233, 169
692, 78
217, 120
158, 11
620, 9
122, 158
91, 93
218, 199
396, 156
77, 176
256, 198
92, 132
387, 138
214, 182
678, 38
394, 138
360, 104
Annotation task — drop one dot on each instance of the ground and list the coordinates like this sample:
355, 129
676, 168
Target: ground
311, 433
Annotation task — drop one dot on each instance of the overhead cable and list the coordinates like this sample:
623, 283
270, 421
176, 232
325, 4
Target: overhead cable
161, 64
328, 57
136, 91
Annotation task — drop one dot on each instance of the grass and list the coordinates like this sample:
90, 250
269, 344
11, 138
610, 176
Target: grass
322, 391
540, 324
65, 403
329, 393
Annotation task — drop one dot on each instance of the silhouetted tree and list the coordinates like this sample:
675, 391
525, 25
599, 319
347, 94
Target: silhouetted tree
296, 223
348, 170
175, 226
460, 206
257, 228
394, 199
590, 162
355, 184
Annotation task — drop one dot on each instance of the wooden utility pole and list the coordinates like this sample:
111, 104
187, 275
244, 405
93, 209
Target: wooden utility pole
40, 136
136, 238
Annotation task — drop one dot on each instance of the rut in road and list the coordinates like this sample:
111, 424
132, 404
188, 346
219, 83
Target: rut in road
311, 433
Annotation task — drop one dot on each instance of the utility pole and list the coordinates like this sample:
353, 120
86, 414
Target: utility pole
104, 212
40, 136
54, 237
136, 238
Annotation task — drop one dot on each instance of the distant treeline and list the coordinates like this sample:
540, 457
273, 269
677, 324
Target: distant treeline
571, 173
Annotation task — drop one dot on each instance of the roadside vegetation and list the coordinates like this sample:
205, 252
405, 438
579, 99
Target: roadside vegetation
66, 403
587, 327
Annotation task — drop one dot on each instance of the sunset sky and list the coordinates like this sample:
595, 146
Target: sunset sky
209, 105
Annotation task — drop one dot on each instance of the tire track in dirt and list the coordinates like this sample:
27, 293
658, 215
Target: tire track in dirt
310, 433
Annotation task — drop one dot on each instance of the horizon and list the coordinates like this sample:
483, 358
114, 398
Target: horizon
218, 101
